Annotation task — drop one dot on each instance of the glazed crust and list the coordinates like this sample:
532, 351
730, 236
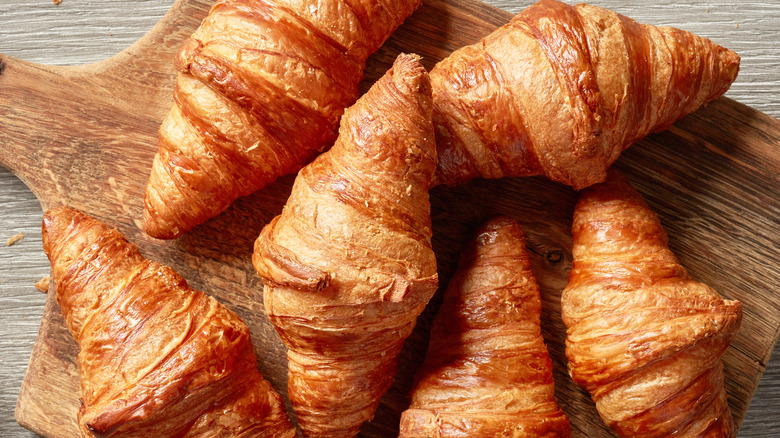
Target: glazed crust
156, 358
487, 372
261, 87
348, 266
643, 338
563, 90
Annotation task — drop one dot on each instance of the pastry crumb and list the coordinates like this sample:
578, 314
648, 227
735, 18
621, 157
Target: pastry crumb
43, 284
56, 2
15, 238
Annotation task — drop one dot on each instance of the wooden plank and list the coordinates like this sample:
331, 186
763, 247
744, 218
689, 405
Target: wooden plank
711, 178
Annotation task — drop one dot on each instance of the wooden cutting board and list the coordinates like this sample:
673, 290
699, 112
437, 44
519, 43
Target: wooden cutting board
85, 136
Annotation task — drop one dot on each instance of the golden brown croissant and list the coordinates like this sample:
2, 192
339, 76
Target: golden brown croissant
487, 372
348, 265
643, 338
157, 358
261, 87
562, 90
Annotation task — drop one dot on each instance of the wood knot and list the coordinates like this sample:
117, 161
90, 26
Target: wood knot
554, 256
2, 67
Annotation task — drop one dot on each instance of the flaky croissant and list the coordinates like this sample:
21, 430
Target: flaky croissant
563, 90
487, 372
643, 338
156, 358
260, 90
348, 265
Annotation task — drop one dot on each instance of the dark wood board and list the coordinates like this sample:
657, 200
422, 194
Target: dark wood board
85, 136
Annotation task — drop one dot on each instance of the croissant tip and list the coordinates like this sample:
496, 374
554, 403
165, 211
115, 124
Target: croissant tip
730, 61
62, 211
160, 233
408, 69
55, 221
615, 185
500, 220
155, 229
408, 57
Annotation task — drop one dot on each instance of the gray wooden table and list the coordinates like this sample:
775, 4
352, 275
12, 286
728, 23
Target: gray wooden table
83, 31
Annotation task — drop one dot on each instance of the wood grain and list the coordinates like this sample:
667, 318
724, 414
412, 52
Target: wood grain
711, 178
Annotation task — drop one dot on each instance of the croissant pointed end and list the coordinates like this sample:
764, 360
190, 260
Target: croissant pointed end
614, 187
168, 210
409, 72
736, 310
55, 222
157, 229
407, 80
729, 62
157, 223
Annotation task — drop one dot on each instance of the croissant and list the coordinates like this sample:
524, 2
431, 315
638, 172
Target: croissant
562, 90
261, 87
487, 372
348, 265
643, 338
157, 358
